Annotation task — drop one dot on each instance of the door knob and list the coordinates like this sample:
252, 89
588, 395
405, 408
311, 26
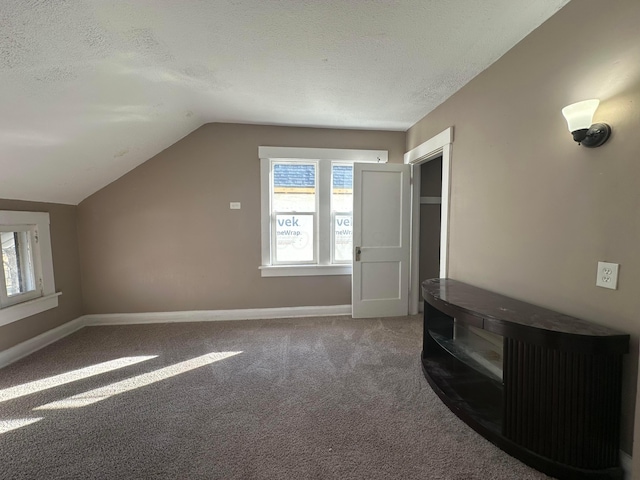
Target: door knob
358, 252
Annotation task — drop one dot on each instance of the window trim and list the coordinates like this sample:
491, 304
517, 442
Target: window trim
42, 257
29, 308
322, 156
5, 299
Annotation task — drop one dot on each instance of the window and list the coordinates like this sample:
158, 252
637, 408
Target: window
294, 207
26, 271
307, 203
341, 213
17, 264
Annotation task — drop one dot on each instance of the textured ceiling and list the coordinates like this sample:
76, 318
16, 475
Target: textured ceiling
91, 89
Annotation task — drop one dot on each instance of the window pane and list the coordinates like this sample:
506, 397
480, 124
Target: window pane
342, 238
294, 238
342, 191
17, 262
341, 208
294, 187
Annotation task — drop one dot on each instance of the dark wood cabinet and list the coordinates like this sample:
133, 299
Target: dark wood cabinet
543, 386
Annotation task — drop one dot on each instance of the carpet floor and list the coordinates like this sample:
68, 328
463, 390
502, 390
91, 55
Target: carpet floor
310, 398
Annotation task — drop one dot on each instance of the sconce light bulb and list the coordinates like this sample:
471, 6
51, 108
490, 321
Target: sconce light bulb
580, 115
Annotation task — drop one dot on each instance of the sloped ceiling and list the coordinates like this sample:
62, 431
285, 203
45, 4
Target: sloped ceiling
91, 89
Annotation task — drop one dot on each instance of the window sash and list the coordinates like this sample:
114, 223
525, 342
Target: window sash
274, 214
348, 260
294, 239
338, 210
301, 188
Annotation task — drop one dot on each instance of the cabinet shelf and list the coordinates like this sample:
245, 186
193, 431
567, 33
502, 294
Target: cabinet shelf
478, 354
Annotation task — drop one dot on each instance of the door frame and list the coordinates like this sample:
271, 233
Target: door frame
439, 145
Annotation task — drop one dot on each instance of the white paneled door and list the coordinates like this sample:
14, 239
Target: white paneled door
381, 216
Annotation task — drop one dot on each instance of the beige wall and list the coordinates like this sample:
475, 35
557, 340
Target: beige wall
162, 238
66, 266
532, 213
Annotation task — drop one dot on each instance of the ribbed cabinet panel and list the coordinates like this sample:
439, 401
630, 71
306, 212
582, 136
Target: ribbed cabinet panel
562, 405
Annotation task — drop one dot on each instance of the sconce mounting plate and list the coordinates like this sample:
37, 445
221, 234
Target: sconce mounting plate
597, 134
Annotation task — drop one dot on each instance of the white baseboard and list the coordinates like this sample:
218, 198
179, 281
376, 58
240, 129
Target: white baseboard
626, 464
34, 344
214, 315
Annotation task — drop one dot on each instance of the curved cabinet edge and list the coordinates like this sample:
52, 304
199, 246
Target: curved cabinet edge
528, 457
612, 342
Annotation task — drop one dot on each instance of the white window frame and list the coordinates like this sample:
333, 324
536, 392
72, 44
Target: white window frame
313, 214
325, 157
333, 214
5, 299
45, 296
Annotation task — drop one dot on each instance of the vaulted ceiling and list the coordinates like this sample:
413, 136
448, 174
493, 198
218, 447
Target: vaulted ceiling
90, 89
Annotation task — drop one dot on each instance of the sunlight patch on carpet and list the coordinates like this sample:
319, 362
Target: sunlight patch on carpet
68, 377
102, 393
15, 423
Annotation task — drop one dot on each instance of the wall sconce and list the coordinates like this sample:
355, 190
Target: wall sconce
579, 117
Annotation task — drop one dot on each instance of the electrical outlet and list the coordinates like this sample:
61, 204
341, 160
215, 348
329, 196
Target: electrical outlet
234, 205
607, 275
